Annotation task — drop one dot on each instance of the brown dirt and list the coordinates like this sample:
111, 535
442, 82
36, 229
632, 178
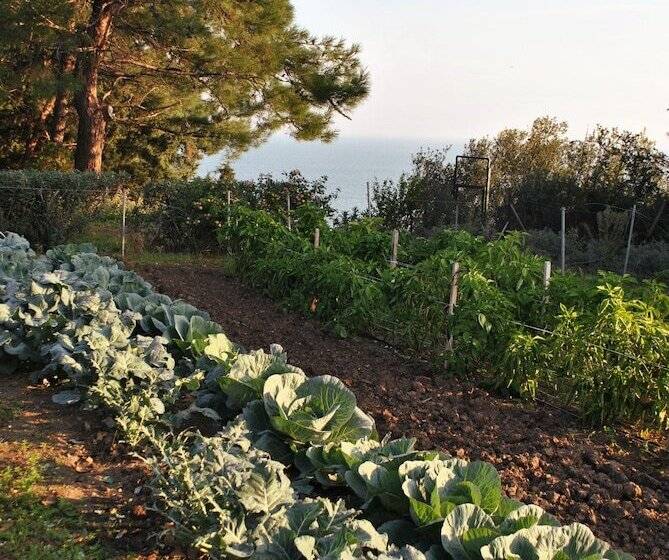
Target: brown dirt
607, 480
80, 463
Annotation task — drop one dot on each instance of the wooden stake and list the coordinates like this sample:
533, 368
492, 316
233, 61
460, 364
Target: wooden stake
125, 200
229, 206
290, 221
547, 274
563, 238
395, 243
369, 199
455, 280
452, 302
317, 238
522, 225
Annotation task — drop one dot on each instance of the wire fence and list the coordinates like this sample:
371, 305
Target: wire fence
571, 244
385, 326
449, 307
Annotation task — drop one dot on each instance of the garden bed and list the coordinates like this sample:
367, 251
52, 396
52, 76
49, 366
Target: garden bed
612, 481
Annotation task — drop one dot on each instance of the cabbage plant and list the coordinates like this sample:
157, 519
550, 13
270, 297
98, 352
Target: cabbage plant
541, 542
249, 372
467, 528
435, 487
315, 410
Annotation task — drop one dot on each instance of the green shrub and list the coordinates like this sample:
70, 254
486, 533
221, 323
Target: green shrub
50, 207
181, 215
507, 328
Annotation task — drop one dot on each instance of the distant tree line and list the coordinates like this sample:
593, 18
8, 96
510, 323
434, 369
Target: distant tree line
536, 171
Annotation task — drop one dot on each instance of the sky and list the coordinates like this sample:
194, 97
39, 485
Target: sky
458, 69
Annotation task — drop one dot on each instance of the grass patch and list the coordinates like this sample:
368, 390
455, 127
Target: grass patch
106, 236
30, 530
8, 412
155, 258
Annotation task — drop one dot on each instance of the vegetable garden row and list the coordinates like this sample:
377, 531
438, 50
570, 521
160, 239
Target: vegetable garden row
600, 344
295, 468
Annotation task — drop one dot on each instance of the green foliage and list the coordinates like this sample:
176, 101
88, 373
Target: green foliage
181, 215
85, 320
537, 170
347, 282
541, 169
49, 207
172, 81
421, 199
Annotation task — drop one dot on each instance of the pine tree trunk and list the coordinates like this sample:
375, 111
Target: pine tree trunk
93, 113
58, 124
38, 133
92, 124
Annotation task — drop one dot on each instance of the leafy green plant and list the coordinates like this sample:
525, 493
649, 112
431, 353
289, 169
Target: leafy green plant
314, 410
234, 494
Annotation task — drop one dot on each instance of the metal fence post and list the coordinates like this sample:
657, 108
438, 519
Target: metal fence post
290, 221
229, 205
369, 199
563, 238
629, 239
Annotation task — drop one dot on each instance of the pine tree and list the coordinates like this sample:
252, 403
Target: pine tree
150, 87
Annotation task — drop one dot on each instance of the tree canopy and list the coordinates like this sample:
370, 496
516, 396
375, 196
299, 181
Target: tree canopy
149, 87
537, 170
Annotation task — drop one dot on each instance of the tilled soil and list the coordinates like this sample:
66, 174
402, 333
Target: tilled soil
607, 480
82, 463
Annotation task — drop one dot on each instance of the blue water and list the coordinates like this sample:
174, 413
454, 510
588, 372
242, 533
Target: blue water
348, 163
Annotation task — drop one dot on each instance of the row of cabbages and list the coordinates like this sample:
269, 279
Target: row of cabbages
280, 437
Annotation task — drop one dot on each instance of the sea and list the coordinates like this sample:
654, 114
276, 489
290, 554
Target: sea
348, 163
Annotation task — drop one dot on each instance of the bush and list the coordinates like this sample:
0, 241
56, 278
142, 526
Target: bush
181, 215
49, 207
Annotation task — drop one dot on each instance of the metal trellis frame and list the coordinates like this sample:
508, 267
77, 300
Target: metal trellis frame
457, 186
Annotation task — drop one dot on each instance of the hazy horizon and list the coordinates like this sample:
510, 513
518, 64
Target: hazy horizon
443, 72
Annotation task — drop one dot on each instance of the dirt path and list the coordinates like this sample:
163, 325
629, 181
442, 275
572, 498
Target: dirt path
605, 480
80, 464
